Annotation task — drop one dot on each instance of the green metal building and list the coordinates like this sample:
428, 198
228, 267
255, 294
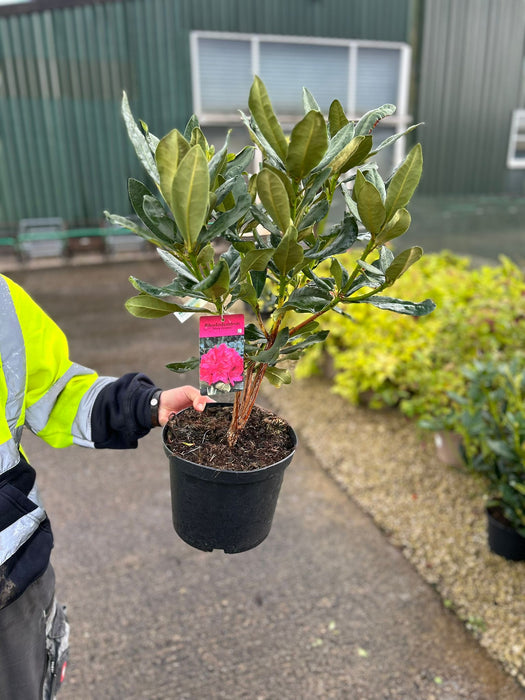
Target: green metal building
457, 65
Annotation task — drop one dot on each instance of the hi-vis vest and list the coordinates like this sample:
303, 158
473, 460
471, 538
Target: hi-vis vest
41, 389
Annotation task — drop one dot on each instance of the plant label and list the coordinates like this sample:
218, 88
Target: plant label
221, 344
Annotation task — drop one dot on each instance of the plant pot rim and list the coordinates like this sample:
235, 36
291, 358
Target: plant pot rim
204, 471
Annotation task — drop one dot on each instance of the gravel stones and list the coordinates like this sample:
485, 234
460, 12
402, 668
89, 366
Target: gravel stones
434, 513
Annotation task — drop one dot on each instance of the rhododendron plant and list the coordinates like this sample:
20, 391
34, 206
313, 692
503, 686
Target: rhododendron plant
278, 227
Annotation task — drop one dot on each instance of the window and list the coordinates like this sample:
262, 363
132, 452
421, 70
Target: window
360, 74
516, 153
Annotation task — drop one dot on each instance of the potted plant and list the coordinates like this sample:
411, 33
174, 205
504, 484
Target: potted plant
274, 231
491, 421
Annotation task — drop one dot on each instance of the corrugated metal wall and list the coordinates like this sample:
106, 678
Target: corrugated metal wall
471, 64
63, 149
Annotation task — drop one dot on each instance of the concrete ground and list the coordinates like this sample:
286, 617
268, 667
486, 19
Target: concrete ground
325, 608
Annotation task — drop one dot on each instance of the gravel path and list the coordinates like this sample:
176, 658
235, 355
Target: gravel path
434, 513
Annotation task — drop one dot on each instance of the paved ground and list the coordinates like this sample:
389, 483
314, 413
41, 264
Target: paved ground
324, 608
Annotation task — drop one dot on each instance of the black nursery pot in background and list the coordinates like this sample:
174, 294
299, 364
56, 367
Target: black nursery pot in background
220, 509
504, 540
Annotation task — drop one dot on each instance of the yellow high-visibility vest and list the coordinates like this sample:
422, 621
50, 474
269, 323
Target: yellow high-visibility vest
39, 388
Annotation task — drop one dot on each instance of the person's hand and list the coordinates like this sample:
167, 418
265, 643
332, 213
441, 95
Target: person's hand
175, 400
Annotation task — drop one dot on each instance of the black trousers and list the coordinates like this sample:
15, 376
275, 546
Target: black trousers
25, 630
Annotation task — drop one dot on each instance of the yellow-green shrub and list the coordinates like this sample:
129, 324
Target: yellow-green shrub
413, 362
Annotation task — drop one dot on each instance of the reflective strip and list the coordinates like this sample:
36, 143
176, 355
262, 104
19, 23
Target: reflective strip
14, 536
81, 428
34, 496
9, 455
12, 351
38, 414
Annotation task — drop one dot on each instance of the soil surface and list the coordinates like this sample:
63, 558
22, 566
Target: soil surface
201, 438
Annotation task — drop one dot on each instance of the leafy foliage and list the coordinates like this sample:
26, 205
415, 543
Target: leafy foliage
414, 363
491, 420
275, 224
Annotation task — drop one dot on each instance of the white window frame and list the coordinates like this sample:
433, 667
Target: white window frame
400, 120
517, 134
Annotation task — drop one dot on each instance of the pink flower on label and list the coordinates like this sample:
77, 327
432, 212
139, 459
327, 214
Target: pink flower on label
221, 364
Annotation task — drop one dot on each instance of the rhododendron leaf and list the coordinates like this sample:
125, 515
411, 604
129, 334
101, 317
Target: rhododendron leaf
397, 226
288, 253
145, 306
256, 260
409, 308
308, 299
271, 355
190, 195
182, 367
217, 283
310, 340
170, 151
137, 192
369, 120
402, 262
308, 144
264, 116
277, 377
404, 182
138, 140
336, 117
274, 197
369, 204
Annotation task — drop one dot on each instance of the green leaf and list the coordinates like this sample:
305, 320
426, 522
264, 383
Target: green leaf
256, 260
397, 226
176, 288
217, 283
241, 162
145, 306
187, 366
138, 140
178, 267
170, 151
193, 122
369, 204
274, 198
277, 377
137, 193
308, 144
271, 355
402, 262
317, 213
319, 337
395, 137
309, 102
336, 117
409, 308
339, 239
369, 120
354, 153
288, 253
404, 182
264, 116
132, 226
308, 299
337, 143
190, 195
248, 293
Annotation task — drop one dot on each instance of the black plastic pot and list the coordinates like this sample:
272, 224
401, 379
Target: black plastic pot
219, 509
504, 540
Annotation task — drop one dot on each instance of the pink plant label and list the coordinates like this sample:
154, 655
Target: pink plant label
221, 343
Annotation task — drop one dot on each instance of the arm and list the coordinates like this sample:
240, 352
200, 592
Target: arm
122, 412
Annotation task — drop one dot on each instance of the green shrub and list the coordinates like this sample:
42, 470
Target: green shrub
491, 421
413, 362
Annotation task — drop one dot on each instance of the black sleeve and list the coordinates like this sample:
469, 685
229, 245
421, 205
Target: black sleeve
121, 412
